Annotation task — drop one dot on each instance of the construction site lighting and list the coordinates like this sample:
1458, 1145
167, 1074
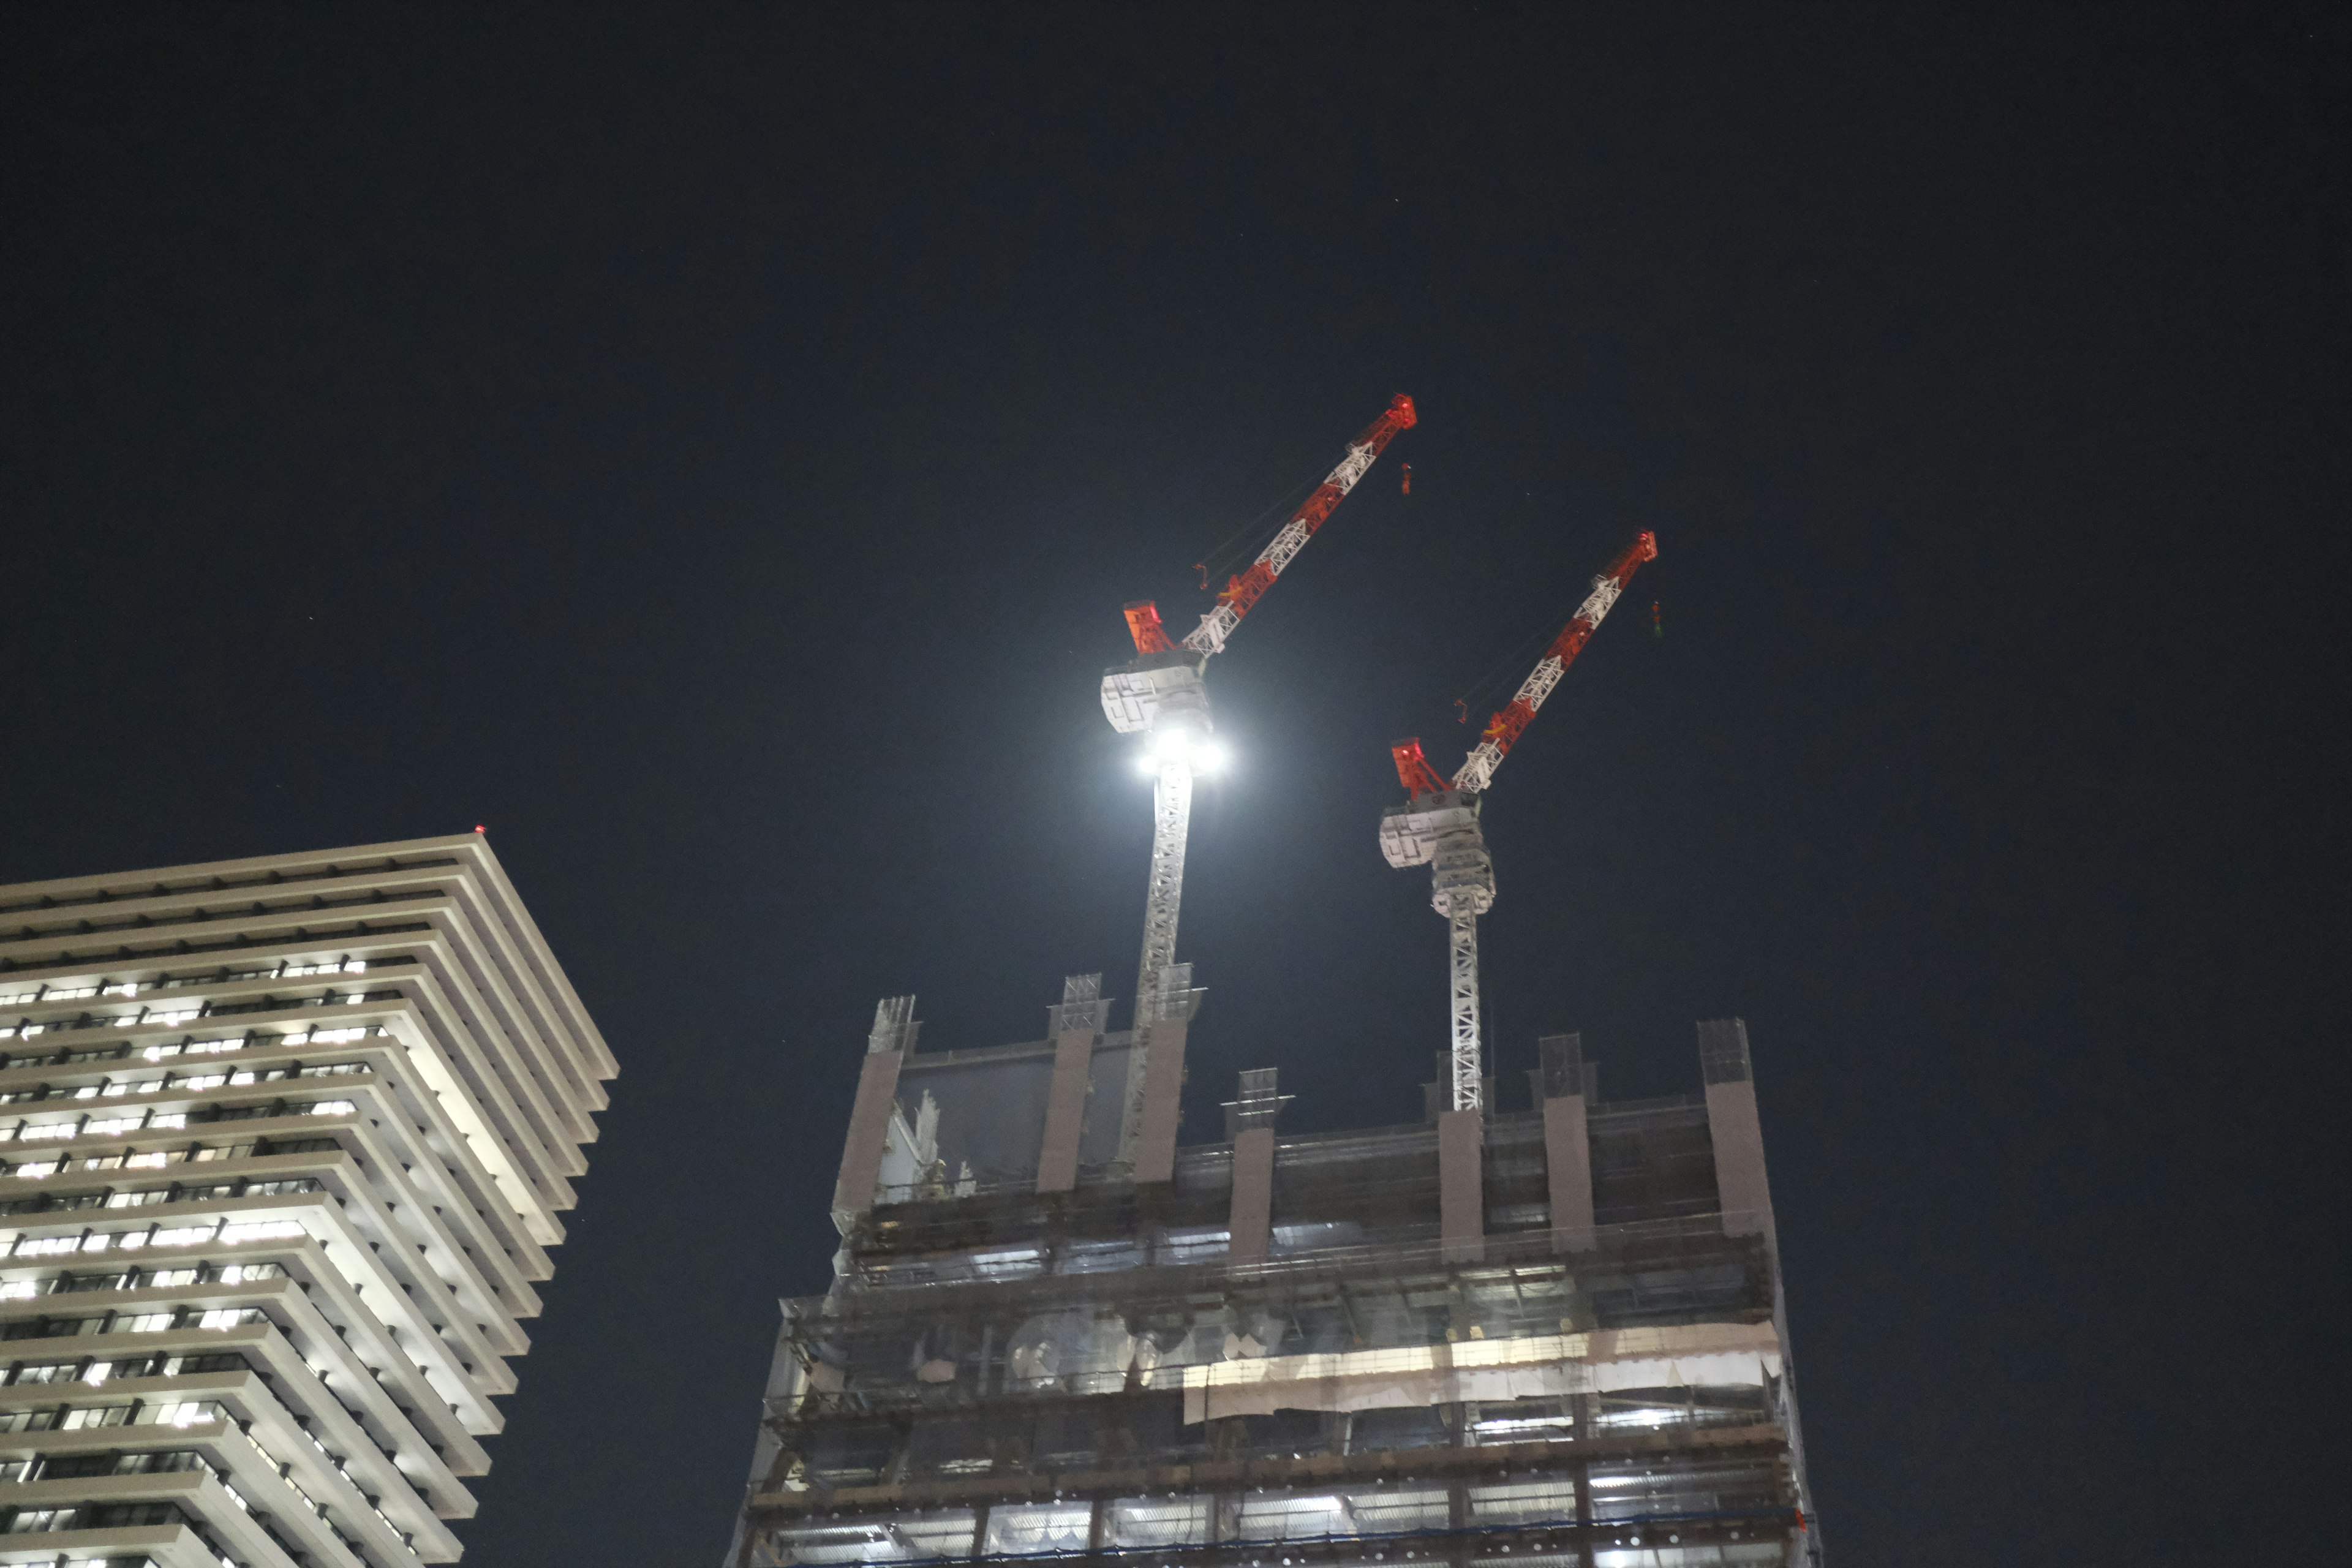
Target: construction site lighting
1199, 752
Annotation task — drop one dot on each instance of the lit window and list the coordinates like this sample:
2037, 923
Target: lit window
183, 1236
35, 1520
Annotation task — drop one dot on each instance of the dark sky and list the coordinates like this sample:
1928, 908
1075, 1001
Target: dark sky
712, 450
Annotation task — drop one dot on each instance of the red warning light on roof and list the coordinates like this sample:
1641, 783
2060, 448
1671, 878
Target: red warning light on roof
480, 829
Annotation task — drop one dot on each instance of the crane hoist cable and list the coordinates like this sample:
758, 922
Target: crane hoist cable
1492, 675
1245, 588
1240, 539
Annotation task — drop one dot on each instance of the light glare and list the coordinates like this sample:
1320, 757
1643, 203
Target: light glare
1203, 753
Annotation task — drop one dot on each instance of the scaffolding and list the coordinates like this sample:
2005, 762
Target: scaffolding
1282, 1347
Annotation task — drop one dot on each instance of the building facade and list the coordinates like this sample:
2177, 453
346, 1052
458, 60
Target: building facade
284, 1145
1553, 1336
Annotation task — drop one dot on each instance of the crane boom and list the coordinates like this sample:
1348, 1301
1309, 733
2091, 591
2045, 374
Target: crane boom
1243, 589
1502, 731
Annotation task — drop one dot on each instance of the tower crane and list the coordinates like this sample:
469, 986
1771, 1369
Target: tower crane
1438, 827
1160, 695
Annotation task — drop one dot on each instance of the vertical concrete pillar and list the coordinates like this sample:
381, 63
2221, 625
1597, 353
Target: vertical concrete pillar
1252, 1225
1461, 1185
1148, 1112
1075, 1024
1735, 1128
1163, 1100
869, 1115
1568, 1148
1249, 1118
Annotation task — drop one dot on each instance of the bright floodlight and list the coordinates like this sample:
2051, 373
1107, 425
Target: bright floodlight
1202, 752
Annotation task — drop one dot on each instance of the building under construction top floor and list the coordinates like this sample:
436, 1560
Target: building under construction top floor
1553, 1336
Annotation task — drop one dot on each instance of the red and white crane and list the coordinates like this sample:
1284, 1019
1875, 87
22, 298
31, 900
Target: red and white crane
1160, 695
1438, 827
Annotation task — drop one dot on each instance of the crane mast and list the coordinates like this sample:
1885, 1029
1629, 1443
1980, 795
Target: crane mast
1438, 826
1160, 695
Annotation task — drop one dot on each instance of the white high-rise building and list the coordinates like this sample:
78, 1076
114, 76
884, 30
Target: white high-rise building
283, 1146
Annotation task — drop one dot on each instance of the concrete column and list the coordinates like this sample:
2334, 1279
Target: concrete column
1253, 1213
1460, 1185
1735, 1128
1075, 1025
1163, 1095
869, 1115
1568, 1148
1066, 1110
1249, 1120
1149, 1109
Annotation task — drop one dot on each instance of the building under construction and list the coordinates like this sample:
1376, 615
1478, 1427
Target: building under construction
1552, 1335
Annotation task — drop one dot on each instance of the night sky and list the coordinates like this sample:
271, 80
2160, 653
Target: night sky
712, 450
